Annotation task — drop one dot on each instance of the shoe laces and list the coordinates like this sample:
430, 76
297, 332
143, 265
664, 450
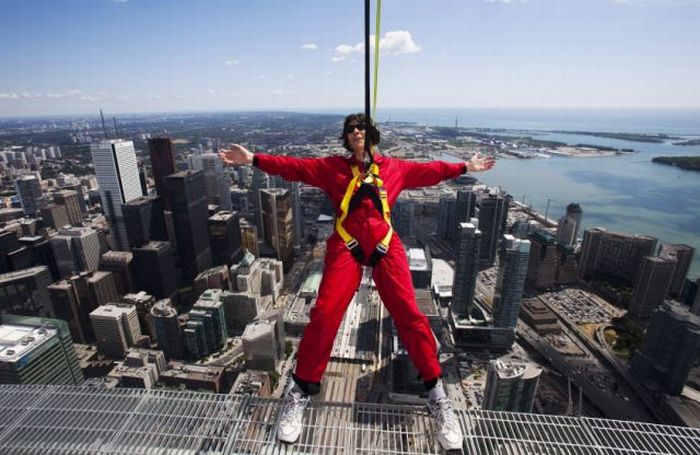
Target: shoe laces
443, 412
294, 407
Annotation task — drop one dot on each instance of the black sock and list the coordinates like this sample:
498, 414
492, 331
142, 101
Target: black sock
309, 388
430, 384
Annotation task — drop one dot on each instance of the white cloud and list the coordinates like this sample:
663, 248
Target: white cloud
231, 62
393, 43
211, 90
656, 2
10, 96
73, 92
282, 91
55, 95
505, 1
309, 46
89, 98
290, 76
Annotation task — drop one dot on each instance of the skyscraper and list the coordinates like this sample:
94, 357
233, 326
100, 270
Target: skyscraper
55, 216
240, 308
225, 237
218, 183
210, 304
168, 333
249, 238
41, 252
652, 285
145, 220
121, 264
24, 292
512, 270
214, 278
188, 202
118, 180
68, 307
144, 303
465, 210
613, 254
259, 182
29, 191
446, 215
493, 212
37, 351
670, 348
69, 199
403, 218
467, 269
162, 153
116, 327
569, 224
260, 346
278, 227
154, 269
684, 258
76, 249
544, 259
511, 386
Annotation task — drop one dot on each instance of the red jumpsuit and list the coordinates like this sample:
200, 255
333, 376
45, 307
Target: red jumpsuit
342, 272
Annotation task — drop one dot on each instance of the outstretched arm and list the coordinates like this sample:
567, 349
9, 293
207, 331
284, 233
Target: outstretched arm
308, 170
417, 175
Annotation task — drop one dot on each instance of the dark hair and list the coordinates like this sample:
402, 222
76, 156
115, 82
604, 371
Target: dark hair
371, 133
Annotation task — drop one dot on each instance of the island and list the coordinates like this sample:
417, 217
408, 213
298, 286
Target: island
689, 163
688, 142
632, 137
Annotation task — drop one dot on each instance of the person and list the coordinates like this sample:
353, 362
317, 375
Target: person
362, 194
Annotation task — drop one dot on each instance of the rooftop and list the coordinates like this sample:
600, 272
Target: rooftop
89, 420
16, 341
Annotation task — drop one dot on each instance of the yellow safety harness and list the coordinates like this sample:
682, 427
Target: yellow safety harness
372, 179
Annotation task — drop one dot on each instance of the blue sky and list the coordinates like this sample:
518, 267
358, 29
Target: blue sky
74, 56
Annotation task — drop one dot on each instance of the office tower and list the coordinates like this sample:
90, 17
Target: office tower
569, 224
188, 202
140, 369
79, 193
168, 332
240, 308
544, 260
259, 346
446, 215
567, 265
100, 285
24, 292
420, 264
116, 327
669, 350
209, 306
144, 219
511, 386
466, 270
218, 183
69, 307
493, 212
143, 303
55, 216
271, 277
69, 199
464, 210
121, 264
37, 351
8, 243
154, 269
276, 209
684, 258
118, 180
259, 182
295, 188
276, 316
76, 249
249, 238
19, 259
195, 338
652, 285
403, 217
28, 189
162, 153
225, 237
613, 254
214, 278
512, 270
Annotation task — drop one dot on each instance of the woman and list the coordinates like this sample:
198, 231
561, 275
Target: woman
362, 196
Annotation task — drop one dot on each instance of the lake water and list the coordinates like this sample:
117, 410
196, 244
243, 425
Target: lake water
626, 193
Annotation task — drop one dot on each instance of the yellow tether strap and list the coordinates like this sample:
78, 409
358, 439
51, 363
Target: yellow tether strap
377, 30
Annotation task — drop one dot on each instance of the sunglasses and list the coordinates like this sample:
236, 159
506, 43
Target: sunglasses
350, 128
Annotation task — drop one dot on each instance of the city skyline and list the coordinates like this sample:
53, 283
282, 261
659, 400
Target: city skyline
72, 58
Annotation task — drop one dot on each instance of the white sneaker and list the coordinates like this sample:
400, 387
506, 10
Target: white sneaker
290, 423
449, 433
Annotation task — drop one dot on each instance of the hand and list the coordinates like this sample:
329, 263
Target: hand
477, 163
236, 155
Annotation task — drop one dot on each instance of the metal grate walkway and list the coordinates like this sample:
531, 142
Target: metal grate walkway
83, 420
